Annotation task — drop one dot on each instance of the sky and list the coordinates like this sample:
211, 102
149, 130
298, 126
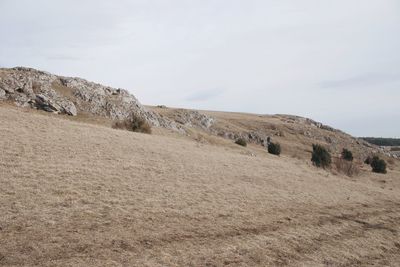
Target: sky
337, 62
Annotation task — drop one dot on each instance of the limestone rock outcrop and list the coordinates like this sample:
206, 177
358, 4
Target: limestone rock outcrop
193, 118
28, 87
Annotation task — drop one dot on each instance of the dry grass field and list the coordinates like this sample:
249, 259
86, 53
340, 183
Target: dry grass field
74, 193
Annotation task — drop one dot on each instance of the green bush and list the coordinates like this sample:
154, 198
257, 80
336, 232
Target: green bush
378, 165
241, 142
347, 155
320, 156
134, 124
274, 148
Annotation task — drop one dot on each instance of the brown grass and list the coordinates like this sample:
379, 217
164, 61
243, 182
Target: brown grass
3, 73
349, 168
391, 164
78, 194
391, 161
63, 90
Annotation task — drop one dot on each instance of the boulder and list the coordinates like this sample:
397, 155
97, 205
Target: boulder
67, 107
62, 106
45, 103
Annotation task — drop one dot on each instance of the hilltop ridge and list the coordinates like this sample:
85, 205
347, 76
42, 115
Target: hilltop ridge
27, 87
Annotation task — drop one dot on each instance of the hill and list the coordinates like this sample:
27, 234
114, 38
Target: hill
90, 101
75, 192
78, 194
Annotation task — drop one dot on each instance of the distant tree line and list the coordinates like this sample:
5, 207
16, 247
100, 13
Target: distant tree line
380, 141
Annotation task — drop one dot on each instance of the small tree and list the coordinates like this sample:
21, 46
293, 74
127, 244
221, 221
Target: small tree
320, 156
347, 155
378, 165
241, 142
274, 148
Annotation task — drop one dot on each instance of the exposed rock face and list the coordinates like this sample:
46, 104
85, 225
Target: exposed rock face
307, 121
65, 95
250, 137
55, 104
193, 118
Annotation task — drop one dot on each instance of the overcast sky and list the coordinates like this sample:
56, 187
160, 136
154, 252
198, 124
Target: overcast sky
337, 62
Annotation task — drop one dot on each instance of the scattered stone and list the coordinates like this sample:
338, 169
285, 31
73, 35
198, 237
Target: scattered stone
2, 94
21, 100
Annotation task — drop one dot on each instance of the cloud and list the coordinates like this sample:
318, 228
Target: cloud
365, 79
204, 95
257, 50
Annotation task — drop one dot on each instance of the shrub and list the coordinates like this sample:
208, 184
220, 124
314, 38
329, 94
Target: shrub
134, 124
320, 156
347, 155
241, 142
347, 167
378, 165
274, 148
368, 160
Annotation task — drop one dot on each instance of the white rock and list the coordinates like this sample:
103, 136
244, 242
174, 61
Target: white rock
2, 94
70, 96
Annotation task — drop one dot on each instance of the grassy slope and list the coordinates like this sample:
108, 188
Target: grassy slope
76, 194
